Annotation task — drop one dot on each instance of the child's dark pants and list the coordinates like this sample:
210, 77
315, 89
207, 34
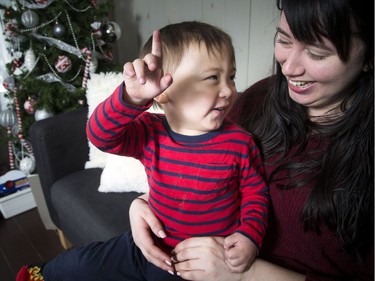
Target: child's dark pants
118, 259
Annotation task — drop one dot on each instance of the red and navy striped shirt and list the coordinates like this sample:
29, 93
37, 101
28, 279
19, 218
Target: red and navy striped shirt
206, 185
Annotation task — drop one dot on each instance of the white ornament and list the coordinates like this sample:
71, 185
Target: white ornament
30, 59
27, 164
41, 114
17, 71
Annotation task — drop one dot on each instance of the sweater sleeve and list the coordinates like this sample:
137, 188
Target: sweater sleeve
254, 197
113, 126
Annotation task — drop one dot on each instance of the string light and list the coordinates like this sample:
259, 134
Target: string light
77, 10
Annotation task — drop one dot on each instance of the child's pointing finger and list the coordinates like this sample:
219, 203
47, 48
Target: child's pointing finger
156, 44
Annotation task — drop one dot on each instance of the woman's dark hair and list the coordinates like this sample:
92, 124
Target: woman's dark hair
342, 194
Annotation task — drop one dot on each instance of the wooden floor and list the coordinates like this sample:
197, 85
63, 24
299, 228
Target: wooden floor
24, 240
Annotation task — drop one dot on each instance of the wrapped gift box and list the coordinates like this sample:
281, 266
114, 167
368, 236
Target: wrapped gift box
20, 197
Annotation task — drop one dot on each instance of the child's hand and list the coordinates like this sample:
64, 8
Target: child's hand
240, 252
144, 78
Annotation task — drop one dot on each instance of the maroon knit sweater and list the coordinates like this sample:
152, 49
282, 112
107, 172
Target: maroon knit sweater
318, 256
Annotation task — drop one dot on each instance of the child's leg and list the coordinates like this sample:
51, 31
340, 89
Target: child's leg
116, 259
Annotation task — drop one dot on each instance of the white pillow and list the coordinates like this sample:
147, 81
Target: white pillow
120, 173
99, 87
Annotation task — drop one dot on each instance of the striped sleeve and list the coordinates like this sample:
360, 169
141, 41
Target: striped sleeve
254, 197
111, 127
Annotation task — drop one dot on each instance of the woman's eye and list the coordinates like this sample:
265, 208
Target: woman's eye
232, 77
282, 42
281, 39
316, 56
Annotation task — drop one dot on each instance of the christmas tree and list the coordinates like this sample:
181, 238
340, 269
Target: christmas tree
54, 45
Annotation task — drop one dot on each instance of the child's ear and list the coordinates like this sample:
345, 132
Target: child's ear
162, 98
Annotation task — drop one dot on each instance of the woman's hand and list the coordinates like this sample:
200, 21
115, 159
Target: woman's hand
143, 223
202, 258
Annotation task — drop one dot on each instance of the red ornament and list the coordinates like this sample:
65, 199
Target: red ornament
17, 63
9, 28
63, 64
29, 105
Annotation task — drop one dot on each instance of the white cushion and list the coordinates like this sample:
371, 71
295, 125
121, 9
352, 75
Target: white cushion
120, 173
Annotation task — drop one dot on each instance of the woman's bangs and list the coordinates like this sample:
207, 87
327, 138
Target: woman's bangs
304, 22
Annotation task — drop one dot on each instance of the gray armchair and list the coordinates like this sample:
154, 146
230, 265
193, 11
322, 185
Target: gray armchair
71, 192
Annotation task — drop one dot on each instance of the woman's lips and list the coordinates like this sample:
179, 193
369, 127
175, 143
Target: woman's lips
299, 87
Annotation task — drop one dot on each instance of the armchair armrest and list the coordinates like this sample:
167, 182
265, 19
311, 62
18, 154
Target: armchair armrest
60, 147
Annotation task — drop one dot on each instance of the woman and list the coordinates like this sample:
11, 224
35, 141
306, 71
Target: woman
315, 127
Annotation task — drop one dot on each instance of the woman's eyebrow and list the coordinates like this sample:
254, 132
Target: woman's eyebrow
321, 45
280, 30
316, 44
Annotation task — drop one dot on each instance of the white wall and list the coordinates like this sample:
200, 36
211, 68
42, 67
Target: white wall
251, 23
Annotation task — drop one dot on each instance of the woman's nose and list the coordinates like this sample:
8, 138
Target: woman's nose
293, 64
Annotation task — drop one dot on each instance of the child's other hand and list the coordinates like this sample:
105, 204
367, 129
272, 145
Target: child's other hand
144, 78
240, 252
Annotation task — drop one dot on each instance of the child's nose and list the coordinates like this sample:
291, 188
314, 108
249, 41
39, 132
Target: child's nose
227, 91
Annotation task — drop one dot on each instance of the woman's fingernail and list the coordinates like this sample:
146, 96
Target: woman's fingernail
162, 234
171, 272
168, 262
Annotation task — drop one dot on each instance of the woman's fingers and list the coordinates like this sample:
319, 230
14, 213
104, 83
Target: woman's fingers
202, 259
143, 222
199, 242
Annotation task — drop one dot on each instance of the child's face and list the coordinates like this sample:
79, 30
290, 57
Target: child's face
202, 93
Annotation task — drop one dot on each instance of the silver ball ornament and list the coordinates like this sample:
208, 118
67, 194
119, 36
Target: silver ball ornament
8, 118
59, 30
30, 19
110, 32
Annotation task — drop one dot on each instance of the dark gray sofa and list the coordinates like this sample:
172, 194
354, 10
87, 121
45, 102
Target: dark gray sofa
71, 192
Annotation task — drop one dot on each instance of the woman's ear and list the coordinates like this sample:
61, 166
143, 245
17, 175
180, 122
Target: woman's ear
162, 98
369, 66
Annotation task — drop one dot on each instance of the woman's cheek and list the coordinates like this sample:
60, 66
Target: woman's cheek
281, 54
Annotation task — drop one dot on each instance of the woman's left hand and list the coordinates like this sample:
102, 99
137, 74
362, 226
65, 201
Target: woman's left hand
202, 258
